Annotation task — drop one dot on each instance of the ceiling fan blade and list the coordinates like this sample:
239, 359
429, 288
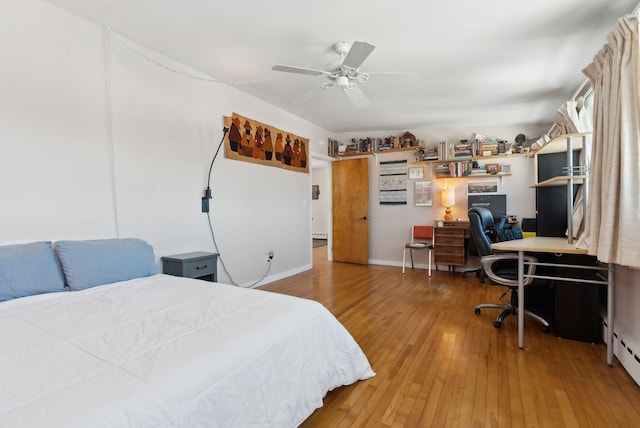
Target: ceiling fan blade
357, 54
309, 94
357, 97
393, 75
300, 70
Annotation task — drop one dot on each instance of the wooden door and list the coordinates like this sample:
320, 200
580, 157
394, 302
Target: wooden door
350, 212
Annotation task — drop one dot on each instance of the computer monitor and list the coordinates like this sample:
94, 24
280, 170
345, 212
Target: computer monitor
497, 204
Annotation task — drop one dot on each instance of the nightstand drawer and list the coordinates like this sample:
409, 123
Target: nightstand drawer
450, 240
450, 259
457, 250
450, 246
192, 265
196, 268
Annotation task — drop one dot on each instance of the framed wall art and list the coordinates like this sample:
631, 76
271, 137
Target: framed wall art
484, 186
393, 182
416, 173
422, 196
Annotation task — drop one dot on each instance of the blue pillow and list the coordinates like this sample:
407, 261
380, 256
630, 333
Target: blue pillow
28, 269
95, 262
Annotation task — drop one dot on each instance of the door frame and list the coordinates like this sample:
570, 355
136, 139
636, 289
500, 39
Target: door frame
329, 206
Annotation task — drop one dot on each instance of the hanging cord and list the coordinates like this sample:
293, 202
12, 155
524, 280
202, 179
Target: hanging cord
213, 236
108, 37
122, 41
126, 44
106, 45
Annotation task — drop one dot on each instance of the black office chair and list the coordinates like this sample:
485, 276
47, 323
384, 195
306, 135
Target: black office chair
500, 268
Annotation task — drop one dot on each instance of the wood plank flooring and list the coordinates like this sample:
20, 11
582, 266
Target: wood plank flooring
438, 364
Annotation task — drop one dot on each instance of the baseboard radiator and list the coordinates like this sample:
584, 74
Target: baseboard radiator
626, 348
319, 235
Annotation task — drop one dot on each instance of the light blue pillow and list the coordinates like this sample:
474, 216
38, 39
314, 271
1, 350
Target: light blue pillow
28, 269
102, 261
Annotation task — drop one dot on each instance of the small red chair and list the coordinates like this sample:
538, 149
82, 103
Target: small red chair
421, 239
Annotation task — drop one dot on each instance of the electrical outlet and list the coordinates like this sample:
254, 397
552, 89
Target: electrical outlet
270, 256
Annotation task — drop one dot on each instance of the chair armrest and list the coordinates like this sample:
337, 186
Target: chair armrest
489, 261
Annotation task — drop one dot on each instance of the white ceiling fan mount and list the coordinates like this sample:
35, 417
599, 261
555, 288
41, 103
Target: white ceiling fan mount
342, 48
344, 74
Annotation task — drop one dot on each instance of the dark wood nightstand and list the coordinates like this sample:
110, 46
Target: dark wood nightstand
199, 265
449, 242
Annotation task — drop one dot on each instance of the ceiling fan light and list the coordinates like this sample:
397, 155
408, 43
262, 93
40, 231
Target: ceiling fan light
342, 82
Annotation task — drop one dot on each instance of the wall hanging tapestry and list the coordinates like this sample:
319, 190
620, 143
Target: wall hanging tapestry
252, 141
393, 182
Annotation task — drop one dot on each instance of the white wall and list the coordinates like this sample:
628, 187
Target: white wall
75, 166
321, 207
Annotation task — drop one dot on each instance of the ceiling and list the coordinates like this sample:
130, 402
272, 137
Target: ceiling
499, 62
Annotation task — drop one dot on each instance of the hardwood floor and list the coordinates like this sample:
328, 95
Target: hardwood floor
438, 364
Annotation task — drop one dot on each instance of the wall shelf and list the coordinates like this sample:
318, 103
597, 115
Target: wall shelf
474, 158
377, 152
447, 177
560, 181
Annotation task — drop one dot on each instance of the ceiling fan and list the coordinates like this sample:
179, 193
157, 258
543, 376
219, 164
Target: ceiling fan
344, 76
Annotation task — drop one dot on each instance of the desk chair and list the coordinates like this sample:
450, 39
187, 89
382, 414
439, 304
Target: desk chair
421, 239
500, 268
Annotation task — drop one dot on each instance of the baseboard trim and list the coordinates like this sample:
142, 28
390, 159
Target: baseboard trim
625, 347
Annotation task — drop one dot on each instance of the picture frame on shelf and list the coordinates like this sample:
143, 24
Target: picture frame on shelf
505, 169
416, 173
476, 187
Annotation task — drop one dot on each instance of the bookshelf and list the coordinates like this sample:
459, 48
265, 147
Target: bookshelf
370, 152
462, 167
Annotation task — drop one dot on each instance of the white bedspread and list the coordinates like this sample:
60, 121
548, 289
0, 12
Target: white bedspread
164, 351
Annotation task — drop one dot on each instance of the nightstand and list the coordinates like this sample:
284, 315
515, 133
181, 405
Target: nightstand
449, 242
199, 265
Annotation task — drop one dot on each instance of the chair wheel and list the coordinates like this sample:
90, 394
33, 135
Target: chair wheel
545, 328
477, 311
497, 324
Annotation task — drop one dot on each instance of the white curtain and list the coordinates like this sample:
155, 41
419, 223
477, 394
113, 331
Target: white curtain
612, 229
574, 116
567, 120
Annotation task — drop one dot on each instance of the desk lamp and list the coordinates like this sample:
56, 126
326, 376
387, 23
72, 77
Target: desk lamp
448, 201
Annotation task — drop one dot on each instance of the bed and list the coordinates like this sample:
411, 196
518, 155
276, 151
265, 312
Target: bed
153, 350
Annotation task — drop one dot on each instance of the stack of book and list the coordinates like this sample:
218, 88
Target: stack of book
462, 150
484, 146
431, 153
478, 170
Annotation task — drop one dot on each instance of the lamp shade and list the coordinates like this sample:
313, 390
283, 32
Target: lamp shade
448, 197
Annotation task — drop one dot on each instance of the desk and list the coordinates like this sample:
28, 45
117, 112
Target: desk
540, 244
